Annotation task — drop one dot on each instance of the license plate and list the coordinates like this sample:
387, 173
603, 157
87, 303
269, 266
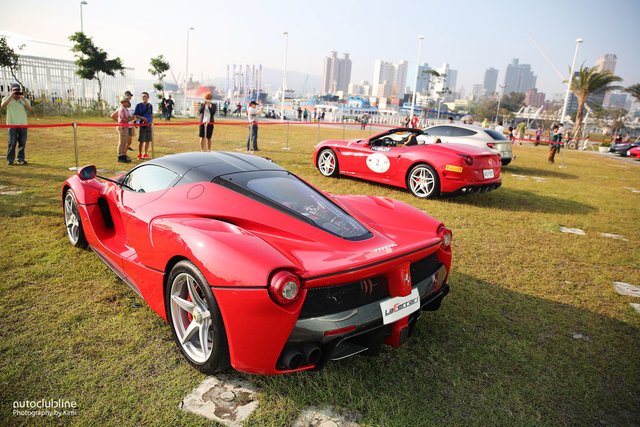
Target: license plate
396, 308
488, 173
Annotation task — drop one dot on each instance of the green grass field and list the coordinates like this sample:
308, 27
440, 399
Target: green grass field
500, 351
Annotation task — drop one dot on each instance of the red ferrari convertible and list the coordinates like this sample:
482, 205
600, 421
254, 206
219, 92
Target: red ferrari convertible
404, 157
253, 267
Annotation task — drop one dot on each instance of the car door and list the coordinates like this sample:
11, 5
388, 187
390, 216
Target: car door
143, 186
380, 158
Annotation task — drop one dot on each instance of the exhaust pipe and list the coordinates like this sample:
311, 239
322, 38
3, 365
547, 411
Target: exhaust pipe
311, 353
291, 358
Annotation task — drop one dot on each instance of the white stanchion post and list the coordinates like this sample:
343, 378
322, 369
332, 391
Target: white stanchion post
75, 147
286, 138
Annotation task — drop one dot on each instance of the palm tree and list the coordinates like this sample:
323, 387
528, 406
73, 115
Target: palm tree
634, 91
587, 81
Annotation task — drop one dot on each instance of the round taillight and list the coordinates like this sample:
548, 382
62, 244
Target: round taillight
284, 287
467, 159
446, 236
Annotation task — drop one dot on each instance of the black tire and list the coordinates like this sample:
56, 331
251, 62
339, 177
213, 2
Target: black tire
423, 181
218, 359
328, 163
505, 162
73, 221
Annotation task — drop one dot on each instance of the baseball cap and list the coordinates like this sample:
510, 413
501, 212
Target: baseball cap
125, 98
128, 93
15, 86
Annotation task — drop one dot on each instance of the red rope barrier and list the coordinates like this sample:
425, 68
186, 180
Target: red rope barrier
53, 125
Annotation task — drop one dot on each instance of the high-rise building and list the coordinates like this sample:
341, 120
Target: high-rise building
615, 99
476, 91
336, 73
446, 84
533, 98
490, 81
518, 78
607, 62
389, 78
424, 77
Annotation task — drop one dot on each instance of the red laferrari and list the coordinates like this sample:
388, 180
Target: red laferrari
253, 267
406, 158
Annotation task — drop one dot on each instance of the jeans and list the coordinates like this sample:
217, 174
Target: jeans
16, 136
252, 139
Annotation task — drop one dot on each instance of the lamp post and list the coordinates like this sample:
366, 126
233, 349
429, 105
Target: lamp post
186, 75
284, 75
415, 85
566, 96
82, 3
499, 101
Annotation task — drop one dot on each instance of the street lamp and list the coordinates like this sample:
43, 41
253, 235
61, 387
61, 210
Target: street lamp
186, 75
415, 85
499, 101
82, 3
566, 96
284, 75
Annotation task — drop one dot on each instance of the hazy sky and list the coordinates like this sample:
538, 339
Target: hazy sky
470, 35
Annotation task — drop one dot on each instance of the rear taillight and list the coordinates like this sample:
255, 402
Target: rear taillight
467, 158
490, 144
284, 287
446, 236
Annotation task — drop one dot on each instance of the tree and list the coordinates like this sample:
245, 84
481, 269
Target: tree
634, 91
159, 68
9, 58
513, 101
92, 61
587, 81
484, 108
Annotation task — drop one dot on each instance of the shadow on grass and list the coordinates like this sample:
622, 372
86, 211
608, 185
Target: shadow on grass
489, 356
521, 170
519, 200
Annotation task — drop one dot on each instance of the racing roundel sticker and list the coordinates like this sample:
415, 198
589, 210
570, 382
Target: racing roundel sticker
378, 163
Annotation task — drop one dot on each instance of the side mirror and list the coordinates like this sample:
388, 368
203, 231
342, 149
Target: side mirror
87, 172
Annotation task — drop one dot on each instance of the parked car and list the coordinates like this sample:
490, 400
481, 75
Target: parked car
622, 147
253, 267
634, 153
477, 136
401, 158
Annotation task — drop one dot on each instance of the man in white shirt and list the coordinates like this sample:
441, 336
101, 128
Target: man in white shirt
500, 128
252, 115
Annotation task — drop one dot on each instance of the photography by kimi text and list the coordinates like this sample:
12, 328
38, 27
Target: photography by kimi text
45, 408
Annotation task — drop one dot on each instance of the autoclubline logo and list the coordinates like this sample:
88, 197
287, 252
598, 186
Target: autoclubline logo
45, 408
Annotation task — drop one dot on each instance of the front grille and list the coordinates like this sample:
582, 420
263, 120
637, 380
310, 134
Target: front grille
334, 299
423, 268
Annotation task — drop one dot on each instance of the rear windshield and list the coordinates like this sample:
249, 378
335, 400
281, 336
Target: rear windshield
285, 192
495, 135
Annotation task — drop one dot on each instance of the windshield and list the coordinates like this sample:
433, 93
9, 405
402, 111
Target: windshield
287, 193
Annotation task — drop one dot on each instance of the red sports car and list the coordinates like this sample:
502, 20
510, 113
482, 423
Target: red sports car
634, 153
405, 157
253, 267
